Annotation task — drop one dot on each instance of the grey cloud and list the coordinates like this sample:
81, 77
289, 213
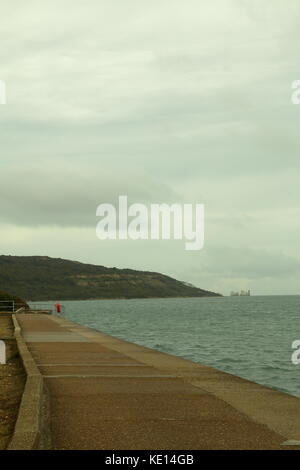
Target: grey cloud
68, 195
250, 263
164, 103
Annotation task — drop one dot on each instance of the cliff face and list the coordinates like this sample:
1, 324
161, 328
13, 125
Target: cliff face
43, 278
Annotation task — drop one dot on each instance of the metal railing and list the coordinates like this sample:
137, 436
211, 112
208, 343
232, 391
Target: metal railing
42, 306
46, 306
14, 306
10, 305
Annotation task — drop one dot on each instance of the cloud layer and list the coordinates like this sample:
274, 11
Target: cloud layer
182, 103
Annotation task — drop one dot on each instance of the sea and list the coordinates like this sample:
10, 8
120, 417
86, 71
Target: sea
250, 337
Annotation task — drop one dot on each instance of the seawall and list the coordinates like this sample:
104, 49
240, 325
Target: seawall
106, 393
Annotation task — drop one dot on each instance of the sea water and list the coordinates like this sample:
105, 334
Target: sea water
250, 337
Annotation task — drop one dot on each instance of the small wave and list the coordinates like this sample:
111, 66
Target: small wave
228, 360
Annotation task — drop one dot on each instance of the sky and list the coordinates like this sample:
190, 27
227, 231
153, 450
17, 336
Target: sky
165, 102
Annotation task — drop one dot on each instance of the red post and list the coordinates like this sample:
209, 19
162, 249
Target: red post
58, 307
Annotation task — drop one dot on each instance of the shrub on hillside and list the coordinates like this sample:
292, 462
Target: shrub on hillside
9, 302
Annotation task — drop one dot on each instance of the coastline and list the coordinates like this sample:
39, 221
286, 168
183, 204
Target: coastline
130, 298
230, 335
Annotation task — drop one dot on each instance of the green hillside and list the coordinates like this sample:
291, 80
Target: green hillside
43, 278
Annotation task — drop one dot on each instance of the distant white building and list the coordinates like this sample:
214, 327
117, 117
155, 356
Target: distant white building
243, 293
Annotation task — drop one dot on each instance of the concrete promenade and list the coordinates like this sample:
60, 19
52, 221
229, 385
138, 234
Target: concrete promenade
106, 393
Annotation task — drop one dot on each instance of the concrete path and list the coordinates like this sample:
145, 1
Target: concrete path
111, 394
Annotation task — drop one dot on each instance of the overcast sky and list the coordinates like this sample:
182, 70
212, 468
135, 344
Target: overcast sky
164, 101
